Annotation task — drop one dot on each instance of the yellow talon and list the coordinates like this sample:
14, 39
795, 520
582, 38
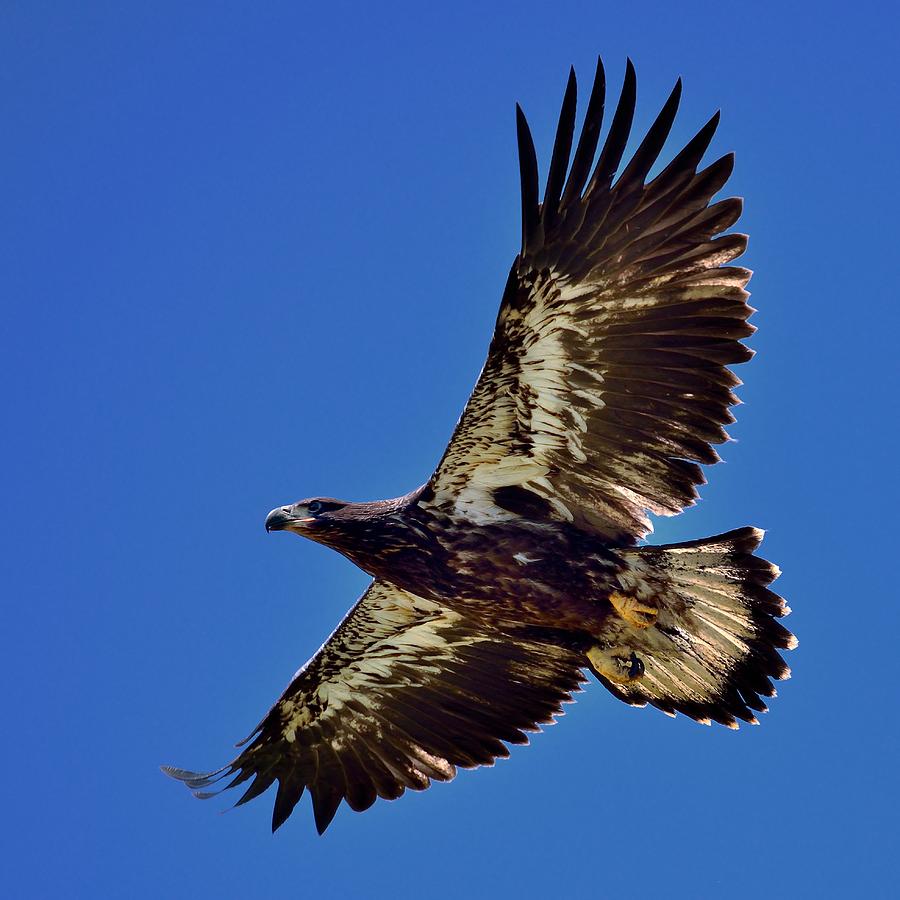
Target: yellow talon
633, 611
618, 664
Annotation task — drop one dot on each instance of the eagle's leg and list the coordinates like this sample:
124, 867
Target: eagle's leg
634, 611
618, 664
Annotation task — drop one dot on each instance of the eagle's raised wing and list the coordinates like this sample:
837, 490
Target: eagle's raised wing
606, 381
401, 694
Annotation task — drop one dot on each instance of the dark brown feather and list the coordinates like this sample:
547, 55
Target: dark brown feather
627, 280
411, 692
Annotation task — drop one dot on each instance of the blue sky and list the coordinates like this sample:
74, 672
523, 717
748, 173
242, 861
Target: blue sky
255, 255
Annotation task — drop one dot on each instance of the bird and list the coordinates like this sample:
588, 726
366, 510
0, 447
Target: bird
521, 566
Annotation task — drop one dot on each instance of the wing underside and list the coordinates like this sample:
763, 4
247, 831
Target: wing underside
607, 382
401, 694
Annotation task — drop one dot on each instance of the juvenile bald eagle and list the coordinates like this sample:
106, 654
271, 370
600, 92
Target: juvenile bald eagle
517, 566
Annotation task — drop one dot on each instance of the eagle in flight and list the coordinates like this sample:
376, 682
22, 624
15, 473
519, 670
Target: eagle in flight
517, 565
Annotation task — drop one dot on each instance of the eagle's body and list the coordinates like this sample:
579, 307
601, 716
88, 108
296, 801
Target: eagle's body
504, 574
517, 565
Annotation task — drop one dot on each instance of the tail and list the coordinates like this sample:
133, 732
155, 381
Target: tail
713, 649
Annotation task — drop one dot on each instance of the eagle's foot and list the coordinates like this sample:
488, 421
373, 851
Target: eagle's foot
618, 664
635, 612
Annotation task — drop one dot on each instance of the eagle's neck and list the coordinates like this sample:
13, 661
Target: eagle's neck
388, 539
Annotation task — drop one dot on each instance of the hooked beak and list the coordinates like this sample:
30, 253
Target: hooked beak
281, 518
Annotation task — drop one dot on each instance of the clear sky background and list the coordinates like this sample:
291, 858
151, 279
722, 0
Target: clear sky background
254, 252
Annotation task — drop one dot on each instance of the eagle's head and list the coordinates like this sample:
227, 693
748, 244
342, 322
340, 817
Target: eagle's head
366, 533
313, 518
336, 523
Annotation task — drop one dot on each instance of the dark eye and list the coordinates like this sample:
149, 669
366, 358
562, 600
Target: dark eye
315, 506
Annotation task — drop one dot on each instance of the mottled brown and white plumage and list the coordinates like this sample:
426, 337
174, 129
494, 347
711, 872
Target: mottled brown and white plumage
517, 566
401, 694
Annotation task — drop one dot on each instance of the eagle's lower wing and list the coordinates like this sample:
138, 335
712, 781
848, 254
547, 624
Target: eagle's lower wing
606, 381
401, 694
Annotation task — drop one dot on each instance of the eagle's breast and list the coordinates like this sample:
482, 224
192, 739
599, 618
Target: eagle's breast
502, 573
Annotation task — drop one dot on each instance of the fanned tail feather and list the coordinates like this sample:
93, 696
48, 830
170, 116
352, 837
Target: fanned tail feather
713, 651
